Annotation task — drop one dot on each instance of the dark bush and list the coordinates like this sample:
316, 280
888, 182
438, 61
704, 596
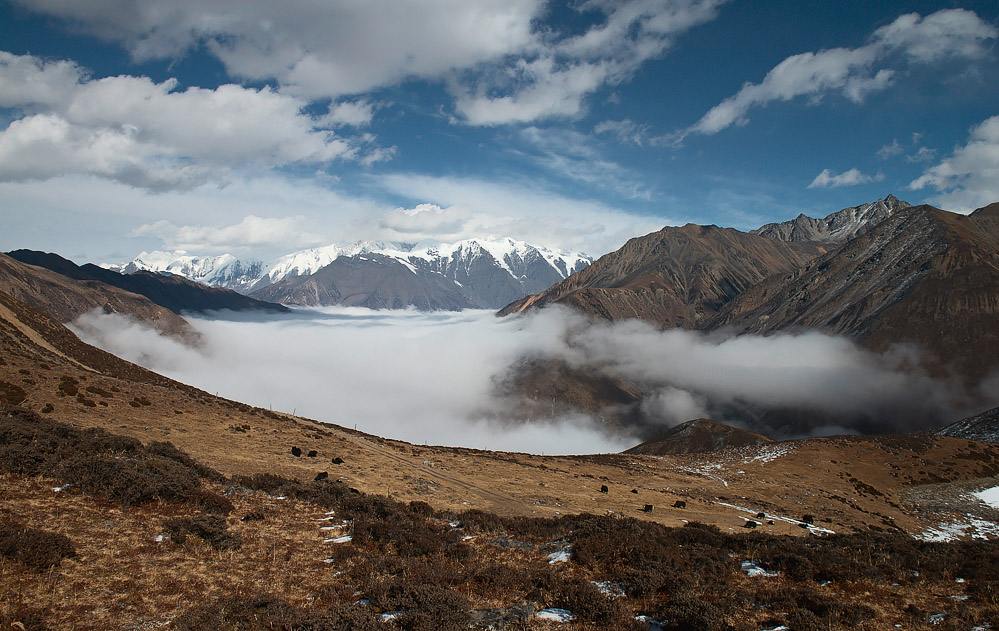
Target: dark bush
68, 386
263, 612
423, 607
38, 549
209, 528
12, 393
686, 613
95, 461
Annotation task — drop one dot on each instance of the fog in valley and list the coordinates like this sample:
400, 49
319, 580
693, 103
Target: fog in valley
433, 377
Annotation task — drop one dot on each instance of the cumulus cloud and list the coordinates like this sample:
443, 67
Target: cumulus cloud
501, 67
251, 232
433, 376
851, 177
555, 75
513, 209
314, 49
148, 134
354, 113
857, 72
969, 177
427, 221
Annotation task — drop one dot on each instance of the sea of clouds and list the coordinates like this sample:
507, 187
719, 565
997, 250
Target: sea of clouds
432, 377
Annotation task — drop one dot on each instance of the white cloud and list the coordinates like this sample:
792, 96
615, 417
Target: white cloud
354, 113
852, 177
143, 133
969, 178
441, 369
316, 49
401, 374
554, 77
947, 33
52, 215
923, 154
427, 221
890, 151
251, 232
854, 72
513, 209
573, 155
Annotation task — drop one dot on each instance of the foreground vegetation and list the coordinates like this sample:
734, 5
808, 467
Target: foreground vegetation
139, 535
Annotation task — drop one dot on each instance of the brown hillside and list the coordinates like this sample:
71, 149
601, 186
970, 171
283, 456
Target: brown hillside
677, 277
924, 276
700, 435
66, 299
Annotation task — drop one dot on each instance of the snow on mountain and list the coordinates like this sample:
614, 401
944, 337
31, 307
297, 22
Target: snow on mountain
224, 271
489, 272
838, 227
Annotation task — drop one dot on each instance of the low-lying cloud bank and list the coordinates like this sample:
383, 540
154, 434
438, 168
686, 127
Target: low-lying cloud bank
432, 377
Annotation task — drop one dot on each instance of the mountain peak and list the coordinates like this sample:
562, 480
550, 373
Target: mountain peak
835, 228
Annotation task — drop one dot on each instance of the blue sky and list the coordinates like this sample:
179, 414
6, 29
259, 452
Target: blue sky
259, 128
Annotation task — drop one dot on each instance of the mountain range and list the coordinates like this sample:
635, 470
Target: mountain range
474, 273
883, 273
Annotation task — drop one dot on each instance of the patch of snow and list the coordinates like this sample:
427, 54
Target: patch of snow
609, 589
343, 539
555, 614
329, 560
561, 556
971, 527
160, 538
769, 453
654, 625
389, 616
811, 528
937, 618
989, 496
752, 568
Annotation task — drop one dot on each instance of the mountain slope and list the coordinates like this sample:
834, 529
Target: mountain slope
176, 293
66, 299
924, 276
677, 277
984, 426
700, 435
835, 228
374, 281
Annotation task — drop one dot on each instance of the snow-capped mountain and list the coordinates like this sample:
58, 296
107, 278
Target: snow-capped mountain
487, 273
224, 271
836, 228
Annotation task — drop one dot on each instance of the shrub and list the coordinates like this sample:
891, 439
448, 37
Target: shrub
38, 549
12, 393
687, 613
423, 607
263, 612
209, 528
95, 461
